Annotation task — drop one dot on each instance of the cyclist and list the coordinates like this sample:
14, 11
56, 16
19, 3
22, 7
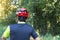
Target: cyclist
20, 30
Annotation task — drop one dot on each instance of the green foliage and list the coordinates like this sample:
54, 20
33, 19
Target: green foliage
2, 28
44, 14
50, 37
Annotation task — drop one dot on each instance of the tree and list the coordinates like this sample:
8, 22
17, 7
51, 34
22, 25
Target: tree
6, 11
45, 14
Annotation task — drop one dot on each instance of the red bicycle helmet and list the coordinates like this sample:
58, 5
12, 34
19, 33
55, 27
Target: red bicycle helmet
22, 12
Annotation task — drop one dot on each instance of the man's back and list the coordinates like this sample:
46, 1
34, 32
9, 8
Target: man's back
21, 32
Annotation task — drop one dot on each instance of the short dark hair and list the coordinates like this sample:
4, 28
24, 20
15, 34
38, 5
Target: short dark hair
21, 18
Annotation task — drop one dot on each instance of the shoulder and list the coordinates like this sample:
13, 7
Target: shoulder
13, 24
29, 26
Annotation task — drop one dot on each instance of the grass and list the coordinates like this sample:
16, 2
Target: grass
2, 28
50, 37
45, 37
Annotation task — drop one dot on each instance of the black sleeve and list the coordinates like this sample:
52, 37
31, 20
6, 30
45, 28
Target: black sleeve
34, 34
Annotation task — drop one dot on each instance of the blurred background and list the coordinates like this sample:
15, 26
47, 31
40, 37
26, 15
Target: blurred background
44, 16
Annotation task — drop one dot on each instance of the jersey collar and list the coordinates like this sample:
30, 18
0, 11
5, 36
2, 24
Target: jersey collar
21, 22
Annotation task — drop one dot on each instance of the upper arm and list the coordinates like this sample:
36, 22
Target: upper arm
34, 34
6, 33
